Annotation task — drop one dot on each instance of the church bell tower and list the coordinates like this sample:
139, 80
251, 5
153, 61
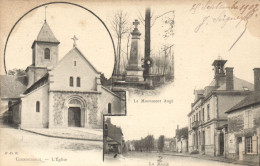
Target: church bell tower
44, 54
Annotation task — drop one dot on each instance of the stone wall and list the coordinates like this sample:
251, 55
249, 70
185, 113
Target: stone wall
59, 109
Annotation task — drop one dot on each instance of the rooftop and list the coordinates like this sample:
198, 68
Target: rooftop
253, 98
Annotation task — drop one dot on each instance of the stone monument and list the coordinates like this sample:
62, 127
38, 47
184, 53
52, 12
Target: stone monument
134, 70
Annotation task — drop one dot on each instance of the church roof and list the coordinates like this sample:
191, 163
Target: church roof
46, 35
11, 86
37, 84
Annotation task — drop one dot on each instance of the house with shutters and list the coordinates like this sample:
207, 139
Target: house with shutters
63, 93
243, 138
207, 120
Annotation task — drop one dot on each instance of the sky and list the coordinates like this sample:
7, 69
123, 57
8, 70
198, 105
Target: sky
197, 44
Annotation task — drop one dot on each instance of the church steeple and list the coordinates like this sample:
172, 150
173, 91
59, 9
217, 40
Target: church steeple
45, 48
46, 35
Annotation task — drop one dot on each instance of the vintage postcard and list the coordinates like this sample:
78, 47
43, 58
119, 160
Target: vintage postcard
156, 83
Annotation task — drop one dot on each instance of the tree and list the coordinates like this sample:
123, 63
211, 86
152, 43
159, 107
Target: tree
182, 133
16, 72
161, 143
120, 27
167, 19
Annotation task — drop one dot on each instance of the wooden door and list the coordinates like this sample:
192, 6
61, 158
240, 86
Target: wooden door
74, 117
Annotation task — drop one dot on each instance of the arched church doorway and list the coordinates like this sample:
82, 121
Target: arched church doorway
74, 117
76, 112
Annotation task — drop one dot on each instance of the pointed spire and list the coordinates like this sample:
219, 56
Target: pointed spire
46, 35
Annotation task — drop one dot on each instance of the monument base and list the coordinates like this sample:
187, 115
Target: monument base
124, 84
134, 76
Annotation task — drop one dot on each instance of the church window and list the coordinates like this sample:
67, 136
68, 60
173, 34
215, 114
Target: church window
47, 53
78, 81
37, 106
75, 63
71, 81
109, 108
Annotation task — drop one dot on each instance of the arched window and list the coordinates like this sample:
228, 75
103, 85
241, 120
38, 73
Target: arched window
109, 108
71, 81
47, 53
78, 81
37, 106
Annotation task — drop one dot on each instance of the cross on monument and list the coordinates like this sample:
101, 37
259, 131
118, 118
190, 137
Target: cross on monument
136, 23
74, 39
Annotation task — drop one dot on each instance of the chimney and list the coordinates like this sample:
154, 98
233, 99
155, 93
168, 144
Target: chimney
229, 78
257, 79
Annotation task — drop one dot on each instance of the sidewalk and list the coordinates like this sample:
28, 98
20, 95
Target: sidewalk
206, 157
69, 133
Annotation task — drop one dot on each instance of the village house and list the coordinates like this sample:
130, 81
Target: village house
60, 94
181, 140
207, 117
243, 137
113, 138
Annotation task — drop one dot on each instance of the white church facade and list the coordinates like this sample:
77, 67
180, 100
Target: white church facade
63, 93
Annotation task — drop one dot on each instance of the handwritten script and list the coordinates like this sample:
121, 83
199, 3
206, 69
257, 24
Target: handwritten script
236, 14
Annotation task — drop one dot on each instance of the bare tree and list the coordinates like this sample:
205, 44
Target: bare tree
120, 27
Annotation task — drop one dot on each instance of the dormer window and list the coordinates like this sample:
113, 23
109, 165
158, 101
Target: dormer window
46, 53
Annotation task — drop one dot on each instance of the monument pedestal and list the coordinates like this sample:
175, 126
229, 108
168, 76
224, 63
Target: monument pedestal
134, 76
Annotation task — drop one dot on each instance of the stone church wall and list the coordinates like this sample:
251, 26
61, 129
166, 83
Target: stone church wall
40, 61
116, 103
75, 66
29, 117
59, 109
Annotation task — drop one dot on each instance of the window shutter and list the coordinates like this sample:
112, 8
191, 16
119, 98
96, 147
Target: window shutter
254, 144
246, 120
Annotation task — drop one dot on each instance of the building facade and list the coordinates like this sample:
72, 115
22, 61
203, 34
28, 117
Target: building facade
243, 137
207, 118
65, 93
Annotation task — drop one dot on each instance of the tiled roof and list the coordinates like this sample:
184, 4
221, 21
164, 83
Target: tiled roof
42, 81
239, 84
253, 98
11, 86
46, 35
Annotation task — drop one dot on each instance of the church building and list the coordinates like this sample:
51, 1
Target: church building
63, 93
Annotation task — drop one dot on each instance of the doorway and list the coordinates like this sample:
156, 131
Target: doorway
74, 117
221, 143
